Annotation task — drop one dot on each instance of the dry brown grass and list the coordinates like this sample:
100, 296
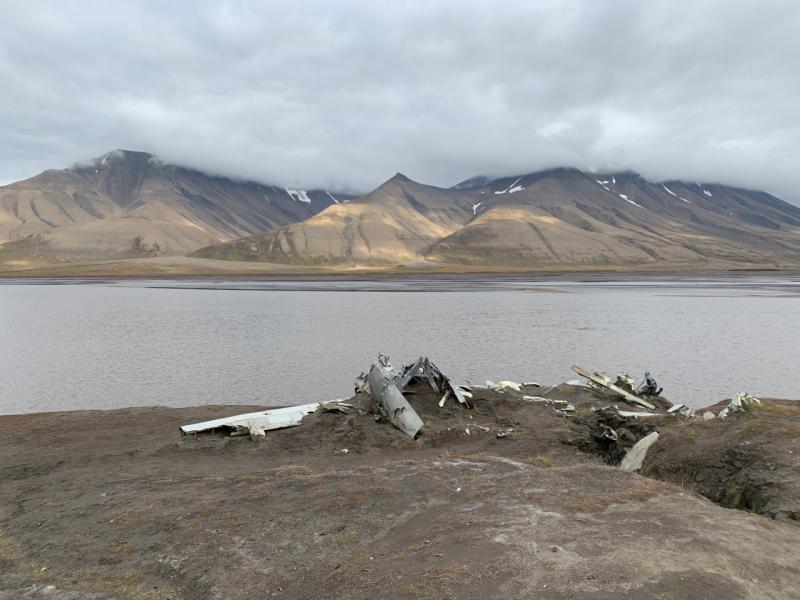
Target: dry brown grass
258, 493
348, 538
477, 457
446, 524
361, 495
446, 455
137, 516
123, 548
130, 585
446, 581
80, 541
789, 430
251, 479
8, 549
560, 430
230, 519
640, 490
294, 470
777, 410
540, 460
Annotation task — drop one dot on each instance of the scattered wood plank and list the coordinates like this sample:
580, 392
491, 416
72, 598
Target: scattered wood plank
610, 386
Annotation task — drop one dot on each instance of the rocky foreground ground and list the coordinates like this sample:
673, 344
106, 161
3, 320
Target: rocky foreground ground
510, 499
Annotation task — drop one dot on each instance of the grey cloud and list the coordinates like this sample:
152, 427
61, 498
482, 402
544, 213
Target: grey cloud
343, 94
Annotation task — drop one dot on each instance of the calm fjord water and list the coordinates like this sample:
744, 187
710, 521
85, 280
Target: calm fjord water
88, 345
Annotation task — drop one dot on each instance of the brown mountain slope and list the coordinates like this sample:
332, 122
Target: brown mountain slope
561, 217
565, 217
391, 225
129, 203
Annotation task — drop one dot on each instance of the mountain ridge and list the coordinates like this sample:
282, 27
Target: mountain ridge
560, 216
130, 203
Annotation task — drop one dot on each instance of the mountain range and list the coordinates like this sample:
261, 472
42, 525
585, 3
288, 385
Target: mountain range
550, 219
129, 204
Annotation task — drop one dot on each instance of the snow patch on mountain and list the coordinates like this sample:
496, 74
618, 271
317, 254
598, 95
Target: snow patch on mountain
299, 195
512, 188
624, 197
671, 193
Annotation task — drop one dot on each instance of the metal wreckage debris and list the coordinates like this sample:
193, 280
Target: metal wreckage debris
385, 384
256, 424
624, 386
625, 435
742, 403
634, 458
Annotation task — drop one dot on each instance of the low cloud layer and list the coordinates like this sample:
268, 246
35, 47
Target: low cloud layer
344, 94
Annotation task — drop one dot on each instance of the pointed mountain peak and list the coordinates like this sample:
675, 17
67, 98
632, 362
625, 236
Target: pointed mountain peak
397, 180
400, 178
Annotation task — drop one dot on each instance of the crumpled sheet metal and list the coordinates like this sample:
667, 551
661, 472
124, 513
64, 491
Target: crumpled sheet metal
420, 369
562, 407
742, 402
385, 384
390, 401
423, 368
503, 385
634, 458
638, 415
681, 409
648, 387
256, 423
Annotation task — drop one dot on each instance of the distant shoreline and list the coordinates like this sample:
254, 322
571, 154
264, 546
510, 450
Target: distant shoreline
186, 268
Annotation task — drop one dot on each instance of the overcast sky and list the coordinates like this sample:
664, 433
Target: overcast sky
344, 94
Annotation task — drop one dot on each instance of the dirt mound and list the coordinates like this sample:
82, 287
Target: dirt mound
494, 500
749, 460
